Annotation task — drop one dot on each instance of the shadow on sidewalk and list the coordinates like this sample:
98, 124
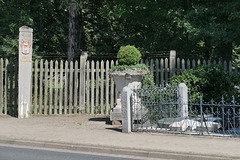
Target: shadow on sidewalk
115, 129
101, 119
107, 122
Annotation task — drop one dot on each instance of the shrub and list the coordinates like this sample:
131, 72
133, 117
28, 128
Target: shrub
128, 55
212, 82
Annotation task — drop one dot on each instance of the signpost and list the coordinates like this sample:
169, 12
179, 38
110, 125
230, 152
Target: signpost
25, 71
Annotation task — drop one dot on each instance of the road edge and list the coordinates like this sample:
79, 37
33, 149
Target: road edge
111, 150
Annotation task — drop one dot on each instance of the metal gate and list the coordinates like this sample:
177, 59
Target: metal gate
157, 109
153, 107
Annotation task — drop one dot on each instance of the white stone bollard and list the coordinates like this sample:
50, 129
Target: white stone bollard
126, 110
183, 100
25, 71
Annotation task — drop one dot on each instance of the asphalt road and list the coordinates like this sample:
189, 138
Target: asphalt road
16, 153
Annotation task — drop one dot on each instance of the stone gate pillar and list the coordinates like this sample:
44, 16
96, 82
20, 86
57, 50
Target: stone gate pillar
183, 100
25, 71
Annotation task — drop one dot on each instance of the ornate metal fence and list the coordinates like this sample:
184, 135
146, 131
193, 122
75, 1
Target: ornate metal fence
158, 109
215, 118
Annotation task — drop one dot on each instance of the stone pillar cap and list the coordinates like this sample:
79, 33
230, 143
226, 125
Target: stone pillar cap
25, 29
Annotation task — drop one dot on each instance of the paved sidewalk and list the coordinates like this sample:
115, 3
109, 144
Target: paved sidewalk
93, 134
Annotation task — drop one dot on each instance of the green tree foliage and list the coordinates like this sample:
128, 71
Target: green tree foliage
194, 28
197, 28
47, 19
212, 82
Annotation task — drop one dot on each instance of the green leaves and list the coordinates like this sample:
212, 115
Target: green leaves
210, 81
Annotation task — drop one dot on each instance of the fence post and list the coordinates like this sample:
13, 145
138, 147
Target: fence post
201, 111
126, 115
83, 60
25, 71
172, 62
183, 100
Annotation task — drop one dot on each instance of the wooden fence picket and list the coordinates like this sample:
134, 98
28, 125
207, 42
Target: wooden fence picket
35, 86
157, 72
97, 84
51, 88
188, 64
102, 85
1, 86
236, 68
225, 65
41, 88
162, 71
198, 62
151, 67
204, 62
107, 87
209, 63
166, 70
46, 87
214, 62
116, 91
178, 65
193, 63
146, 62
219, 61
16, 89
230, 67
56, 88
76, 88
70, 107
87, 88
92, 87
11, 87
6, 87
183, 65
61, 88
66, 87
112, 88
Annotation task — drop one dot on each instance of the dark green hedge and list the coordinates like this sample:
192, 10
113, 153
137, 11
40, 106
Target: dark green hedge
212, 82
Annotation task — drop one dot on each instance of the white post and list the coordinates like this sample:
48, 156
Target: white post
126, 110
183, 100
25, 71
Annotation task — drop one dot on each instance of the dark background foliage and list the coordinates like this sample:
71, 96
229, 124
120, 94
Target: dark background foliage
199, 29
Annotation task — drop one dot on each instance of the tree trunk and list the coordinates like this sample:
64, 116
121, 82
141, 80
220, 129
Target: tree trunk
73, 32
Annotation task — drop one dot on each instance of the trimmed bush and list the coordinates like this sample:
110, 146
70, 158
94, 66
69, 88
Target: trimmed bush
128, 55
